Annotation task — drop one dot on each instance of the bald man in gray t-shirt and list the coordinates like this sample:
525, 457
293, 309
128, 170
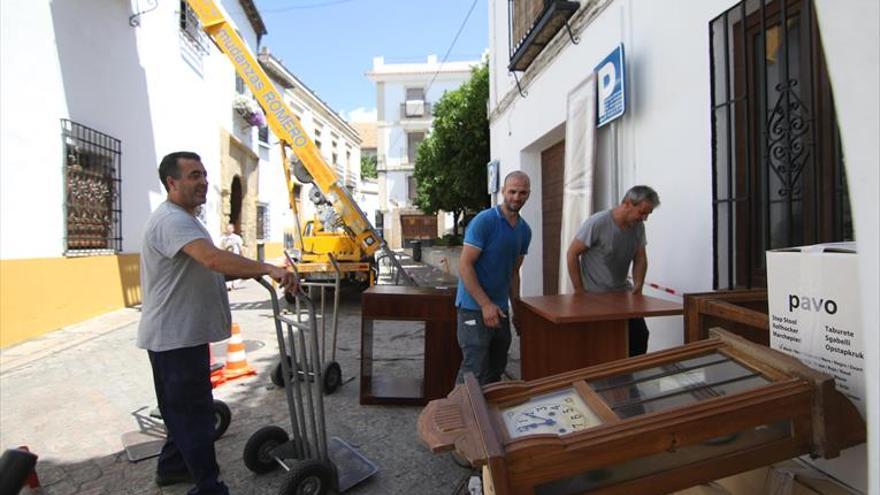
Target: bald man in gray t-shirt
599, 257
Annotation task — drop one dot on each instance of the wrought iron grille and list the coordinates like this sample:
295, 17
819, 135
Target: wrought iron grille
778, 175
92, 181
191, 29
262, 221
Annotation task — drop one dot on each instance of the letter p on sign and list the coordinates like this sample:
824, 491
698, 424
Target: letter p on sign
607, 79
611, 75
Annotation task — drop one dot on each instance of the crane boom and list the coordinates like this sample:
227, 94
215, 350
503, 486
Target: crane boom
287, 128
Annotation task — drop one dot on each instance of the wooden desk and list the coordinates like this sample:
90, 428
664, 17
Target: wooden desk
434, 307
572, 331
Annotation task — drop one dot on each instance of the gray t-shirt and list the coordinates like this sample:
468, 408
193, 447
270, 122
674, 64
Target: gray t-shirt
610, 250
185, 304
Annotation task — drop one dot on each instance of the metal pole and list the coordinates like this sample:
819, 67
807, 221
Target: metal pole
335, 323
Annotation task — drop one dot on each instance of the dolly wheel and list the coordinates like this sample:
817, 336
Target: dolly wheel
258, 449
309, 477
222, 418
332, 377
277, 375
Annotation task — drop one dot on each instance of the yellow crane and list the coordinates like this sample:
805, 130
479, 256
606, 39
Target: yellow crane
360, 239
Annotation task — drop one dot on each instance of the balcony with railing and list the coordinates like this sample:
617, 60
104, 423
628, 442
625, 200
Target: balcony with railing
533, 23
415, 109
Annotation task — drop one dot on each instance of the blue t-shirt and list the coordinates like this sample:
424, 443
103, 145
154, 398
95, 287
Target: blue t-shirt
500, 245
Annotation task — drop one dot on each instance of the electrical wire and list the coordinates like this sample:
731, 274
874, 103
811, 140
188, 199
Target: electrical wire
443, 61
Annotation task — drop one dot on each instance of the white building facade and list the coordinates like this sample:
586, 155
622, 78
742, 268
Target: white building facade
92, 96
695, 86
405, 93
340, 147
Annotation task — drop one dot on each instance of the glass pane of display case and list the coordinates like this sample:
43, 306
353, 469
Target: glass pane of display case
675, 384
666, 461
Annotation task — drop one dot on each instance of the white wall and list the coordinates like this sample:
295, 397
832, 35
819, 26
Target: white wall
31, 102
84, 62
664, 138
396, 185
855, 77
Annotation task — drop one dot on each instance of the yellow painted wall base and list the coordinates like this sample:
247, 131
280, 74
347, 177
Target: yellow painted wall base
41, 295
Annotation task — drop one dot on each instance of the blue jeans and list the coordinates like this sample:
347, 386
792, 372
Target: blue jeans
182, 378
483, 349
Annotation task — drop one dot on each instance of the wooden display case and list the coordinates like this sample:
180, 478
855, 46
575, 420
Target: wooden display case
442, 355
571, 331
741, 312
650, 424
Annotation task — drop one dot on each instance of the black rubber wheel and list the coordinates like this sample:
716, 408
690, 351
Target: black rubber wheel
222, 418
257, 450
332, 377
309, 477
277, 375
15, 466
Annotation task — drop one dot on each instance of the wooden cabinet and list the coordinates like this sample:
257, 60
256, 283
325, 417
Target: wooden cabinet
442, 355
650, 424
570, 331
742, 312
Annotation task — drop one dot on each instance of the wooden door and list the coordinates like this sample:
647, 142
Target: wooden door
552, 176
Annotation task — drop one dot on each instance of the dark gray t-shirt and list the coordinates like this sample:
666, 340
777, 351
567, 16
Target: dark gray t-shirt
184, 303
610, 250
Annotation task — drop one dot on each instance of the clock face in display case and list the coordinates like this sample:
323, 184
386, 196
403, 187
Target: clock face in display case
558, 413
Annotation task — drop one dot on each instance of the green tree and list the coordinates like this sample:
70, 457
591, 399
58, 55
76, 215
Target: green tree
368, 167
451, 162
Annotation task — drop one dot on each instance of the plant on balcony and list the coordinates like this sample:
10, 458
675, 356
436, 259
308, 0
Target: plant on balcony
249, 110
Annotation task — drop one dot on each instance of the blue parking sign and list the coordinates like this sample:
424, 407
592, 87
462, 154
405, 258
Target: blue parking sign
610, 84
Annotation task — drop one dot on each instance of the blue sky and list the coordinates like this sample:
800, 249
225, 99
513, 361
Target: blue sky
329, 44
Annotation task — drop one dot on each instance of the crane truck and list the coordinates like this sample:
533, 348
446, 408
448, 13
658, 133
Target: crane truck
340, 212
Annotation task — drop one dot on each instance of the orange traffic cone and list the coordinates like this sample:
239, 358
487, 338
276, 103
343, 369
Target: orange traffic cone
236, 363
217, 376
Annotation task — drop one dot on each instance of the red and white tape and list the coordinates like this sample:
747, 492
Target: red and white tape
661, 288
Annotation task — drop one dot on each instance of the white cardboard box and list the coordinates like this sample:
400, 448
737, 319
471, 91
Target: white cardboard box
815, 316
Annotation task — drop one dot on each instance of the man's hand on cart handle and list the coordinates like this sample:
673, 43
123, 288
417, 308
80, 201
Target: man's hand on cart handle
286, 279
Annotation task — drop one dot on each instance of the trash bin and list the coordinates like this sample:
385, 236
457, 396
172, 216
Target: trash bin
417, 250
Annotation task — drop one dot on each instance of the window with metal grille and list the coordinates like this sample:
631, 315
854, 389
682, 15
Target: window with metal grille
263, 133
415, 94
413, 140
778, 175
531, 26
191, 29
262, 221
92, 185
412, 188
239, 85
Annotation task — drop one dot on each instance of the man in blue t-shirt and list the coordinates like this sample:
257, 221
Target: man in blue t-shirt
495, 243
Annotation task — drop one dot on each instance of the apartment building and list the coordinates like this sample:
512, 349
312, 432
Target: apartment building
405, 93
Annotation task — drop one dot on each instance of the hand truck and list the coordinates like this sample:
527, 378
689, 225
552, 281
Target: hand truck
312, 468
331, 371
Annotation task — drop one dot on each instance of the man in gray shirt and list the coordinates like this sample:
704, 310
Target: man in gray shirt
185, 307
599, 257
